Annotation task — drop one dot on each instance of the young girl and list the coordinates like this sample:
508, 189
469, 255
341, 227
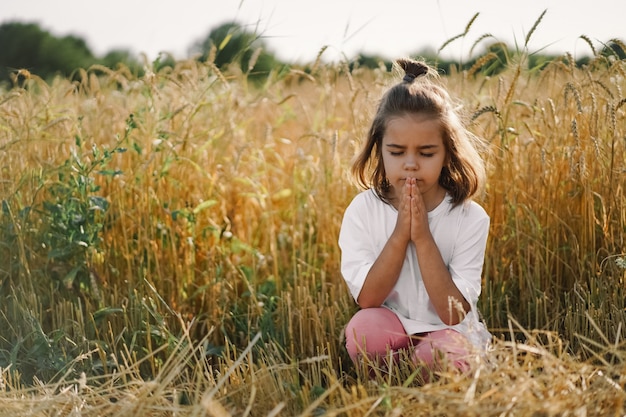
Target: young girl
413, 242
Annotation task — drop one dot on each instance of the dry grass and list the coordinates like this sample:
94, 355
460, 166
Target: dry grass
520, 379
211, 280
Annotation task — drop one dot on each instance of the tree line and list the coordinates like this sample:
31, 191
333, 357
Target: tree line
26, 48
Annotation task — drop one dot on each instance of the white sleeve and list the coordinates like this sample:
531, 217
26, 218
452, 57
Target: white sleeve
357, 252
468, 256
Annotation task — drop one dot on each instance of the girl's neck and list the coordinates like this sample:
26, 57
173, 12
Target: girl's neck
433, 201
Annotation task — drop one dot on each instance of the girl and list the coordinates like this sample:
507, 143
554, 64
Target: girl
413, 242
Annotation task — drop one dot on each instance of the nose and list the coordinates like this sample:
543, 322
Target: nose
410, 163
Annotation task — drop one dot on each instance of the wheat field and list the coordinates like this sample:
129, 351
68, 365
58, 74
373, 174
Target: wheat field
169, 243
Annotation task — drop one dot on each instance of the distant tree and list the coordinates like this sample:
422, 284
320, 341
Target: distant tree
230, 43
27, 46
364, 60
615, 48
20, 46
64, 55
116, 57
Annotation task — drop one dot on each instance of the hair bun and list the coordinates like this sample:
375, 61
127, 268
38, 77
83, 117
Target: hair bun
412, 69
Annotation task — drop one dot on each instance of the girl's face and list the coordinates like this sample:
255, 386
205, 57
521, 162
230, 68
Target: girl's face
412, 147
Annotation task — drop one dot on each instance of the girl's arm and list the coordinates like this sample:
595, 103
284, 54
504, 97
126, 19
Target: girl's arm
449, 302
383, 274
445, 296
385, 271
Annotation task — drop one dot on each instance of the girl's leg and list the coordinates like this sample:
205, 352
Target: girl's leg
374, 332
441, 349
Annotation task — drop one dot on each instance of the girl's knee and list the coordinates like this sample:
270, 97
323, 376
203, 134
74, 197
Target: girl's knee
374, 331
444, 349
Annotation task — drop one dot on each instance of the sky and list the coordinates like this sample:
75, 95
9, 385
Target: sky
296, 30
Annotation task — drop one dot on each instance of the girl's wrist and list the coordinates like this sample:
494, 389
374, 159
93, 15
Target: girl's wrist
399, 239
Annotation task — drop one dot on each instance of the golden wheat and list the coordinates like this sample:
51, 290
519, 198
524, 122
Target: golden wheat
215, 288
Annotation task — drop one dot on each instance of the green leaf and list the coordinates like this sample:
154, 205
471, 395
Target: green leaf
110, 172
227, 39
98, 203
204, 205
106, 311
60, 253
69, 279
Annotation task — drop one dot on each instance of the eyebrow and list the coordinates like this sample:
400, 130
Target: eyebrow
396, 146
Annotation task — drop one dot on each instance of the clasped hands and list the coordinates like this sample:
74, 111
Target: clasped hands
412, 224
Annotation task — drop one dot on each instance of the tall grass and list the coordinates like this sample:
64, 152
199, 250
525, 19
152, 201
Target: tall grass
168, 243
556, 194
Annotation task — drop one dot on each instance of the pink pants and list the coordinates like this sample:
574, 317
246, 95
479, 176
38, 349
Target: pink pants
377, 332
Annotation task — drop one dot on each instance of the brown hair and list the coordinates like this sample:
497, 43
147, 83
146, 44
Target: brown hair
464, 173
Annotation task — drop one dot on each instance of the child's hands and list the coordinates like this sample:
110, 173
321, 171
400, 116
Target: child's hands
419, 214
412, 224
403, 224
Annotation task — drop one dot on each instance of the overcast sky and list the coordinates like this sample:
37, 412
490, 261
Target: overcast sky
295, 30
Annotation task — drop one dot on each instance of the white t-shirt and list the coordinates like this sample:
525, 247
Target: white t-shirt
460, 234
